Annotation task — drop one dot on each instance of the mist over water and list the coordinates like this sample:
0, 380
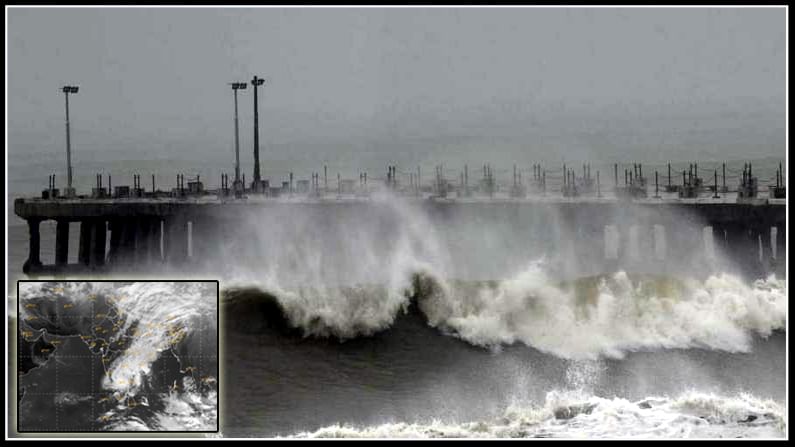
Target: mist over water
485, 320
399, 318
443, 324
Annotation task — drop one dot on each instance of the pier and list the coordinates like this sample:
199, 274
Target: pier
143, 234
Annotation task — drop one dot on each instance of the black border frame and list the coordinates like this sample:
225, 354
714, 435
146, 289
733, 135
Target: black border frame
217, 348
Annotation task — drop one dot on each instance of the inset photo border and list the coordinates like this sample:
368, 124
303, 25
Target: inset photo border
116, 356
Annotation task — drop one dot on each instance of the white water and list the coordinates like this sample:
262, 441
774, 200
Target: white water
719, 313
574, 414
627, 314
347, 272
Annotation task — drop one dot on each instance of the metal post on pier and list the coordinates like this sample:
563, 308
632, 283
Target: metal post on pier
656, 186
235, 87
67, 89
724, 177
544, 181
256, 82
669, 176
716, 196
598, 186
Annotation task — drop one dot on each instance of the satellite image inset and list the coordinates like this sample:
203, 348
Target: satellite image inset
117, 356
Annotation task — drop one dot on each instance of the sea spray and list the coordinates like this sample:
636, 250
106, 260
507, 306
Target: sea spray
587, 318
624, 315
566, 414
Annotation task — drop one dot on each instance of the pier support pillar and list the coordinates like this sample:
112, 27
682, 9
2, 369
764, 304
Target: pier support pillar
645, 247
766, 253
566, 235
202, 240
141, 230
153, 241
781, 250
62, 243
590, 246
115, 240
34, 260
624, 239
743, 244
719, 239
98, 241
660, 242
684, 240
176, 239
84, 252
127, 242
612, 247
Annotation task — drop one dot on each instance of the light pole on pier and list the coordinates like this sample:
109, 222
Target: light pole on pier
256, 82
70, 192
235, 87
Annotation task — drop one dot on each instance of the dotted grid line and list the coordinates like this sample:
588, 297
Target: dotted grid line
201, 350
85, 394
66, 430
91, 357
57, 404
93, 418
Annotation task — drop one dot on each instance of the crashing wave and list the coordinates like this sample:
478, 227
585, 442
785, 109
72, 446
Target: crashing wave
605, 316
577, 415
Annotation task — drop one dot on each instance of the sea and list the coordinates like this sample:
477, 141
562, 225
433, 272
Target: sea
389, 326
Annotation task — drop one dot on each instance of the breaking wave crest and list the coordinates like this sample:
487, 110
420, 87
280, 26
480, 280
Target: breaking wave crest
588, 318
574, 414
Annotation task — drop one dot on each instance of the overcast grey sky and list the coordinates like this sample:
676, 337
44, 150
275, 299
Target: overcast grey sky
598, 82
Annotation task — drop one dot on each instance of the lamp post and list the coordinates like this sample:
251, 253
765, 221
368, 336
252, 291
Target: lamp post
256, 82
235, 87
70, 192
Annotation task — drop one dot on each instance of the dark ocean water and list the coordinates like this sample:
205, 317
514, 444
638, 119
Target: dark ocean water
301, 356
280, 382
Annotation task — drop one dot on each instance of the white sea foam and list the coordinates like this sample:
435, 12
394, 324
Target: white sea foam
721, 313
349, 281
574, 414
619, 313
353, 274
